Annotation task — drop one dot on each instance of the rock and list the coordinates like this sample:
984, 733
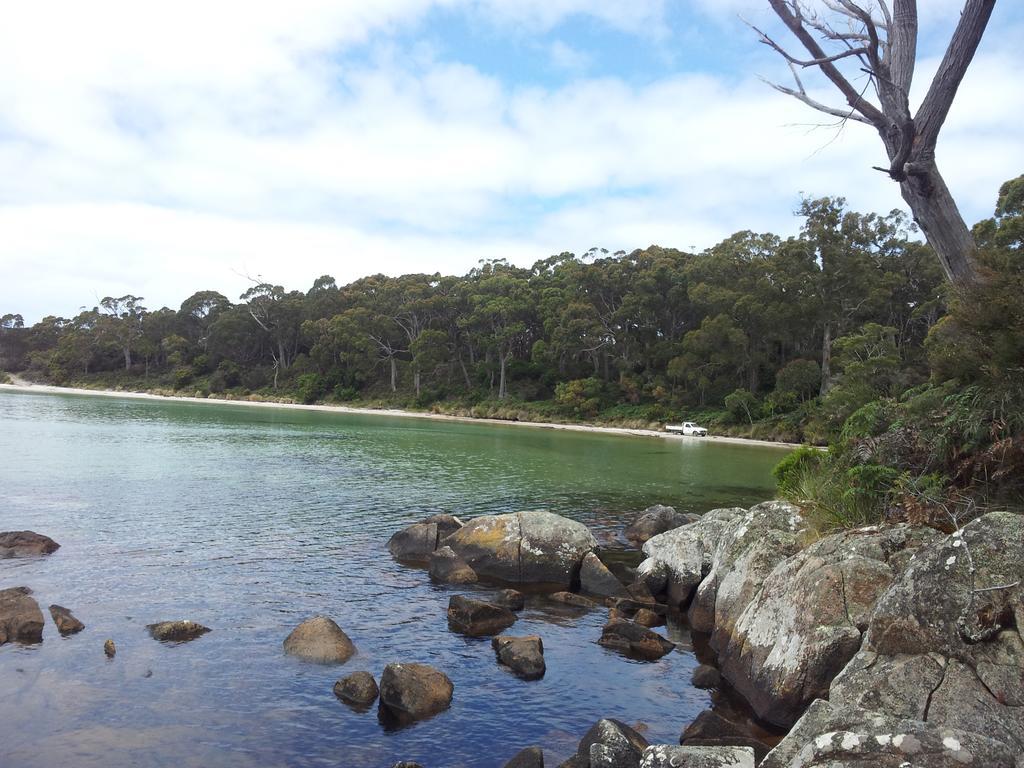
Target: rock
21, 621
476, 618
611, 744
319, 639
447, 567
845, 737
710, 729
575, 761
655, 520
66, 623
596, 579
25, 544
406, 764
634, 640
176, 631
358, 689
410, 692
679, 559
571, 598
749, 548
109, 649
804, 624
641, 593
706, 677
523, 655
645, 617
415, 543
942, 646
668, 756
524, 547
511, 599
531, 757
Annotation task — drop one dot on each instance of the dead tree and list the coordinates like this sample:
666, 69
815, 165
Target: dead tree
861, 38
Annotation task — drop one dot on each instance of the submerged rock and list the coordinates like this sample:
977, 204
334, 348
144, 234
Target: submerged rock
21, 621
668, 756
634, 640
109, 649
523, 655
706, 677
655, 520
176, 631
832, 735
25, 544
416, 542
477, 618
596, 579
410, 692
358, 689
710, 729
531, 757
449, 568
66, 623
319, 639
611, 744
511, 599
524, 547
571, 598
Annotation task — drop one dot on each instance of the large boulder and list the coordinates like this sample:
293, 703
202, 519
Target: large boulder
524, 547
833, 736
21, 620
414, 543
748, 549
943, 644
805, 624
510, 598
679, 559
633, 640
611, 744
176, 631
523, 655
531, 757
358, 690
66, 622
319, 639
655, 520
669, 756
477, 618
596, 579
25, 544
410, 692
449, 568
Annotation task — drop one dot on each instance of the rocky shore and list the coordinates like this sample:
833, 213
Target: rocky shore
889, 645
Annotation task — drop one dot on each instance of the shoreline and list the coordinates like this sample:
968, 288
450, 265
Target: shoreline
23, 386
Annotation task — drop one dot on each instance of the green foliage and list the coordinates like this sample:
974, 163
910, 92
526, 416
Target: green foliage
799, 378
310, 387
742, 405
581, 397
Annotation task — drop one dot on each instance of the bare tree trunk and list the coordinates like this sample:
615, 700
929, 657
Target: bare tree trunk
416, 381
502, 387
394, 375
826, 359
465, 373
937, 214
127, 358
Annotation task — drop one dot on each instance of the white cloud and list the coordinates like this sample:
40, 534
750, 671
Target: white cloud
160, 151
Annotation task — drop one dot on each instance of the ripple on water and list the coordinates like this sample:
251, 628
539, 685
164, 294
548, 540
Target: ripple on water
251, 520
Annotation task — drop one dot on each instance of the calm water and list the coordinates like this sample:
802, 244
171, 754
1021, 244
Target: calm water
250, 520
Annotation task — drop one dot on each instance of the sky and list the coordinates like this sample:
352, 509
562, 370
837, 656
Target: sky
159, 149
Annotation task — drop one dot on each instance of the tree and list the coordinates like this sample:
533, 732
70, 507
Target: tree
124, 316
886, 49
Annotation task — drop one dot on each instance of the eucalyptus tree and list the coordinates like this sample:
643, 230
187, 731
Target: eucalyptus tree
867, 37
122, 322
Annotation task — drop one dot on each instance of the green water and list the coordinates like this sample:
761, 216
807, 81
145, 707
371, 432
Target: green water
252, 519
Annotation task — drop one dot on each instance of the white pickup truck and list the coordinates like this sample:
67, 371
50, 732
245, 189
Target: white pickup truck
686, 428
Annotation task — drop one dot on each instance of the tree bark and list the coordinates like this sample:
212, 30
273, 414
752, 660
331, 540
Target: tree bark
826, 359
502, 389
394, 375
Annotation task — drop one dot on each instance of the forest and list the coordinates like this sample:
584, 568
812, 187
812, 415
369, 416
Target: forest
834, 334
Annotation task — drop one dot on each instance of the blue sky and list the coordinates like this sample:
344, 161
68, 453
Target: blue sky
162, 149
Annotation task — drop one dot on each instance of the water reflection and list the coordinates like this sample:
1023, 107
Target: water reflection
251, 520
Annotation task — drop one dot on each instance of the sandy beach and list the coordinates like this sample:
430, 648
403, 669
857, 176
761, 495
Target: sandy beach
20, 385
